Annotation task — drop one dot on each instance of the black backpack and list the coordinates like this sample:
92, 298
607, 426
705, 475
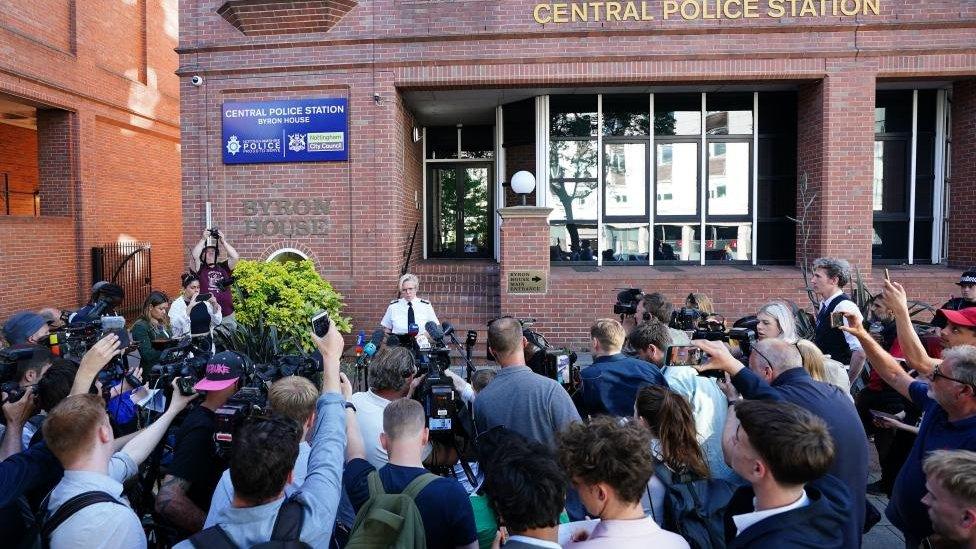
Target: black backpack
694, 507
39, 534
285, 534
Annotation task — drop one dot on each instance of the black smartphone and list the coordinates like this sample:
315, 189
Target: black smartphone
205, 296
321, 323
877, 413
185, 385
684, 355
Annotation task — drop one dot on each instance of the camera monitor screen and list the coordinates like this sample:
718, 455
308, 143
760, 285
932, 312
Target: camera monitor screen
683, 355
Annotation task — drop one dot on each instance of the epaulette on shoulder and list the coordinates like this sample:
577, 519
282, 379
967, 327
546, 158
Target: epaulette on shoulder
425, 301
394, 301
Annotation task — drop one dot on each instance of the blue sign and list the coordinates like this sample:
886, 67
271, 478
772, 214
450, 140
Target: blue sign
303, 130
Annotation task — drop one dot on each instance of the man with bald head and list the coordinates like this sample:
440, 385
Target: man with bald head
519, 399
776, 372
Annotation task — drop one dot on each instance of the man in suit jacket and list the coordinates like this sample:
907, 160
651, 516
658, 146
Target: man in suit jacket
783, 451
775, 372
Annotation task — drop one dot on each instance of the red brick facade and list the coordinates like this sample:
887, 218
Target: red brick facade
105, 156
388, 47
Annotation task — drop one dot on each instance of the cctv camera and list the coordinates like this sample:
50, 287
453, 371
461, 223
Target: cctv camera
376, 97
196, 80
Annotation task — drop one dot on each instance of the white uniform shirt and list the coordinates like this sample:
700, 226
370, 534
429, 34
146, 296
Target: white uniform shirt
395, 318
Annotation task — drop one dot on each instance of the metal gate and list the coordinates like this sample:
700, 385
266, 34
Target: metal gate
128, 264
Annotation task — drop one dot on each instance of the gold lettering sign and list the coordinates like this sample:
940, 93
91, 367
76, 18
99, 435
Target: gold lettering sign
691, 10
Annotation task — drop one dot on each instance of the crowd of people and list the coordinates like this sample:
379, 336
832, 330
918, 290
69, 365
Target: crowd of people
759, 445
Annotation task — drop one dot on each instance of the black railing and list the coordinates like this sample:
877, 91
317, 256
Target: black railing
128, 264
15, 202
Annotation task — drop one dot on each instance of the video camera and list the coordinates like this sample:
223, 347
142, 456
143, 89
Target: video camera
185, 360
10, 357
290, 365
438, 395
555, 363
248, 401
74, 340
627, 302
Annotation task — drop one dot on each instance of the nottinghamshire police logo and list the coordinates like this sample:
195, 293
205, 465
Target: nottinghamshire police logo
296, 142
233, 145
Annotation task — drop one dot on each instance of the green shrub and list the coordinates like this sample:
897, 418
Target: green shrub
285, 295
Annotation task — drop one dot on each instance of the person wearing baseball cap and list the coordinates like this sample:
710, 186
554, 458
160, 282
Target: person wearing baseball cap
185, 494
967, 287
25, 327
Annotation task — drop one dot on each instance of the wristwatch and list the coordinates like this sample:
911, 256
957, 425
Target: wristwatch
351, 406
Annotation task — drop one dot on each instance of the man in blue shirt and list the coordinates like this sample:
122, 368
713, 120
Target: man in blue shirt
948, 403
610, 385
775, 372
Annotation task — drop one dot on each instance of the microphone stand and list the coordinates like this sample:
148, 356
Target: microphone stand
469, 367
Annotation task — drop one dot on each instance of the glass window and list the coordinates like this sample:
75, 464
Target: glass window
893, 111
777, 113
625, 179
728, 178
731, 242
444, 206
677, 114
625, 243
890, 178
890, 240
572, 200
442, 142
677, 242
572, 115
477, 142
626, 115
573, 242
677, 179
572, 159
728, 113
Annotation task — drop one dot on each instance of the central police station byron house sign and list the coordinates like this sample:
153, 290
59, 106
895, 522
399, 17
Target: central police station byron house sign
301, 130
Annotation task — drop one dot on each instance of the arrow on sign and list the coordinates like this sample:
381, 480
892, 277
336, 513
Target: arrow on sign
536, 279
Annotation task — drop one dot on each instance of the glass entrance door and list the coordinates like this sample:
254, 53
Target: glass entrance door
460, 223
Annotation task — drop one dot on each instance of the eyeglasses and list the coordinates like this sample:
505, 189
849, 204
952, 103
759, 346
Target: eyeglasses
769, 363
937, 372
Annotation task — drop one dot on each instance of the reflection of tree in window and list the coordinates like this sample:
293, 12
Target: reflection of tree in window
475, 207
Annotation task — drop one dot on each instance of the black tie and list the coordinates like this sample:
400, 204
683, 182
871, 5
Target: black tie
411, 319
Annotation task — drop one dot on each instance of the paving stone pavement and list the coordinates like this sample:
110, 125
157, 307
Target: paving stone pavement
883, 535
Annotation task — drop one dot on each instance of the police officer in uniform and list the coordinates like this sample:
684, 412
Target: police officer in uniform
408, 309
967, 286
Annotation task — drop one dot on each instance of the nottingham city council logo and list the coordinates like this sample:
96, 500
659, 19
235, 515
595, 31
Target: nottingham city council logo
296, 142
233, 145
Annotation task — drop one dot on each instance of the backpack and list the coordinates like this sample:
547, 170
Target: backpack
390, 520
694, 507
39, 534
285, 534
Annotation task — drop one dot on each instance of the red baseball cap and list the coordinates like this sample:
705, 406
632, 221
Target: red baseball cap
223, 370
964, 317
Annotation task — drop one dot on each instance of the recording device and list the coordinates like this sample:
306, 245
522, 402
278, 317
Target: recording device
290, 365
369, 350
684, 355
9, 357
470, 340
686, 318
74, 340
555, 363
321, 323
223, 283
229, 417
627, 302
185, 386
214, 232
185, 361
15, 392
204, 296
837, 320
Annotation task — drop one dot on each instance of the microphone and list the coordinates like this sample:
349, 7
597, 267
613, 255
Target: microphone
435, 332
469, 343
360, 341
413, 330
370, 348
448, 328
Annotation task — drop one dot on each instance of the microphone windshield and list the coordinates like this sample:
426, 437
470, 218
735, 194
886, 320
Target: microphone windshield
434, 330
448, 328
375, 342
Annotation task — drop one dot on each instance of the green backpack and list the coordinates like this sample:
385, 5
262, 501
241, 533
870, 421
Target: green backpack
390, 520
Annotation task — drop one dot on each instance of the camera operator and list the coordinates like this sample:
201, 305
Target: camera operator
53, 316
29, 372
830, 275
610, 385
708, 403
78, 433
530, 404
444, 507
186, 490
392, 375
264, 453
153, 324
215, 275
409, 310
104, 299
25, 327
776, 372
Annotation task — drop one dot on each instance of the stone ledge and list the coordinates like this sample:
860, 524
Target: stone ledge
280, 17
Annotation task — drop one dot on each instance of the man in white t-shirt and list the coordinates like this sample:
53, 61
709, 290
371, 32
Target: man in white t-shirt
392, 375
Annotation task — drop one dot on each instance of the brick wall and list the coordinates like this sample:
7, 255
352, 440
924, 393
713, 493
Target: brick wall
962, 187
18, 161
389, 46
107, 166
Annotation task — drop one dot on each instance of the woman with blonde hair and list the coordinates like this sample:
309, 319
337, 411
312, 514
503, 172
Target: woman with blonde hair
822, 368
776, 320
